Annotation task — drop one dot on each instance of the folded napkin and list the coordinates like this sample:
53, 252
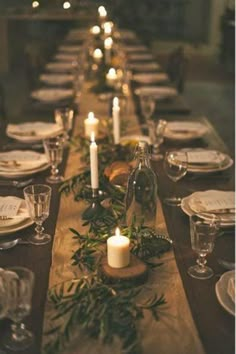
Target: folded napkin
17, 160
56, 79
148, 78
52, 95
32, 130
221, 203
203, 157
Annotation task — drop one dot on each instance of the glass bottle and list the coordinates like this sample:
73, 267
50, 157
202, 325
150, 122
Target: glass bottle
141, 195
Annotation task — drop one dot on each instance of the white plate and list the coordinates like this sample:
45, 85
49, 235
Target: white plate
185, 130
59, 66
22, 214
224, 163
141, 57
135, 138
144, 66
150, 78
27, 160
135, 48
52, 95
14, 228
56, 79
158, 92
65, 57
19, 174
70, 48
222, 294
39, 130
185, 206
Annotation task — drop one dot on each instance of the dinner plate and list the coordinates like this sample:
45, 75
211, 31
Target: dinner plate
220, 163
185, 130
144, 66
56, 79
222, 294
143, 56
135, 48
22, 213
186, 202
65, 57
147, 78
51, 95
158, 92
59, 66
32, 131
134, 139
14, 228
70, 48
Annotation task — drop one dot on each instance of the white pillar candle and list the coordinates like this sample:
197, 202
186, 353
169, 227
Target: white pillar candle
108, 47
91, 125
97, 55
118, 255
94, 163
111, 77
116, 120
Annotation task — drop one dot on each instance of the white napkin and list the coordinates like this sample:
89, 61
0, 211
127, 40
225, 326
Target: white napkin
203, 157
212, 200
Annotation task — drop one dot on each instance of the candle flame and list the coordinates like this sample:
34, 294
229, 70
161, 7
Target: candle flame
112, 71
91, 116
108, 42
92, 137
95, 30
117, 232
115, 102
35, 4
97, 53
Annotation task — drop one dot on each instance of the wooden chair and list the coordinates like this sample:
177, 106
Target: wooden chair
177, 68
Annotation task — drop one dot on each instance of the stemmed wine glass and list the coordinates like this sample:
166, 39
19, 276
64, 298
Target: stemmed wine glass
19, 284
37, 199
176, 166
156, 133
64, 118
147, 104
203, 231
54, 150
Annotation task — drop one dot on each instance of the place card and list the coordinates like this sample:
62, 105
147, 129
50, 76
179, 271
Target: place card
9, 207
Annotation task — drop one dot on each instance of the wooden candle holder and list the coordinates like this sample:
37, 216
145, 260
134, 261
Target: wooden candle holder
136, 272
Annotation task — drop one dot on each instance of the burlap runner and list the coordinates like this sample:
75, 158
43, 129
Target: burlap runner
175, 333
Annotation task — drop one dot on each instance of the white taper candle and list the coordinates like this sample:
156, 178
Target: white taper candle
94, 163
116, 120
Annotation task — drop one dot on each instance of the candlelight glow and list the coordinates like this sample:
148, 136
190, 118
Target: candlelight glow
95, 30
35, 4
97, 53
66, 5
102, 11
91, 116
108, 43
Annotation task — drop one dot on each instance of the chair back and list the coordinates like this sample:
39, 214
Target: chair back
177, 68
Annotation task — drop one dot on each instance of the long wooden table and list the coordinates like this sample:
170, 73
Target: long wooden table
214, 325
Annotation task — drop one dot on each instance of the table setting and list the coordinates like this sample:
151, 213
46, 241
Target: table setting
115, 238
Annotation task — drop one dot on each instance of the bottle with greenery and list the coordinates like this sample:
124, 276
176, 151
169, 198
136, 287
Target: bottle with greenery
141, 195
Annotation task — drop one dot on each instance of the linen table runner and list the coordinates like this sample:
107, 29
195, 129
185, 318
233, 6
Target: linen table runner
175, 332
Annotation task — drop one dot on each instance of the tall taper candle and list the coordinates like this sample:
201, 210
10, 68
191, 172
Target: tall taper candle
94, 163
116, 120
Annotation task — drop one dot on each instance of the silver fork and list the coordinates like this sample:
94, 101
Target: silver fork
17, 184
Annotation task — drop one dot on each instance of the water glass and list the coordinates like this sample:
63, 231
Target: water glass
203, 231
19, 284
147, 104
64, 118
156, 133
175, 166
54, 151
38, 197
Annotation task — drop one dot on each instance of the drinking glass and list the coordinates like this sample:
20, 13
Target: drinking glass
37, 199
175, 165
147, 104
3, 296
203, 231
156, 133
19, 282
64, 118
54, 151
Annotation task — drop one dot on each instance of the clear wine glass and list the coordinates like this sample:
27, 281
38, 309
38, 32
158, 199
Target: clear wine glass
147, 104
156, 133
54, 151
64, 118
37, 199
175, 165
203, 231
19, 282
